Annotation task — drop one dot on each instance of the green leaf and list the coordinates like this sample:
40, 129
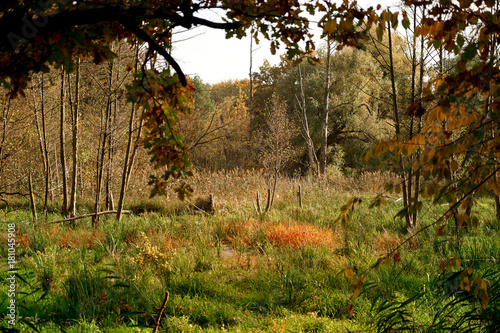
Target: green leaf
460, 40
380, 32
469, 52
405, 22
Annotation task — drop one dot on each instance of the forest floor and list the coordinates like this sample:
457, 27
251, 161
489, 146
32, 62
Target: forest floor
294, 269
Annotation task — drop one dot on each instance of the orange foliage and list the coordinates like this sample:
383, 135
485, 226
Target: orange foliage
79, 238
65, 238
385, 242
300, 235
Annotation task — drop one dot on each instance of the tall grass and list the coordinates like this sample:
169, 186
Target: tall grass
232, 270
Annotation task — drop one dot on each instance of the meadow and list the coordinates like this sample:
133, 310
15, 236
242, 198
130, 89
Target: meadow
294, 269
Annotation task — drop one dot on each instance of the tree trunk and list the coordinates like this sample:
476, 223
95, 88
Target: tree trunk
419, 124
397, 124
134, 151
101, 153
324, 123
42, 138
32, 199
110, 204
313, 161
64, 210
127, 165
75, 116
250, 73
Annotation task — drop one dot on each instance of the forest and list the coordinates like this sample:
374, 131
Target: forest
352, 187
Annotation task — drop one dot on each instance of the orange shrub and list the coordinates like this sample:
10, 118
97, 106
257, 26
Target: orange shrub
299, 235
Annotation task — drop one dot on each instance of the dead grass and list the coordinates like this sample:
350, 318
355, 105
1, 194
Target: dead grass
63, 237
300, 235
373, 182
385, 242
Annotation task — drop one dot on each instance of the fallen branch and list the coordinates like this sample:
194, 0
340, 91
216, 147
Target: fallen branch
90, 215
160, 312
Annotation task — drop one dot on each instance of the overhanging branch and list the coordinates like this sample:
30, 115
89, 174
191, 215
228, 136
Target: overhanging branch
158, 48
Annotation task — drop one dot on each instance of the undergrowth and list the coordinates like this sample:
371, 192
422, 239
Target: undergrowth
235, 271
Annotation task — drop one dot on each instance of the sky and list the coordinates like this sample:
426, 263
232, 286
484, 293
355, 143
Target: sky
207, 53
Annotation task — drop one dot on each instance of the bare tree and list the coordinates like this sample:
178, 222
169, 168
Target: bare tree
302, 115
40, 116
129, 156
74, 104
324, 123
103, 140
62, 152
276, 147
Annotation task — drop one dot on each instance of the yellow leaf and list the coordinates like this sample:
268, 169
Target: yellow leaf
496, 189
420, 139
485, 300
357, 291
349, 273
330, 27
464, 285
480, 282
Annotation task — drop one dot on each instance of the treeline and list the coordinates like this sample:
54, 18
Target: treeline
78, 136
297, 112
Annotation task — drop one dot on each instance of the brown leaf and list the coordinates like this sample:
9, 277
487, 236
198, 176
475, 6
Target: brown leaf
440, 230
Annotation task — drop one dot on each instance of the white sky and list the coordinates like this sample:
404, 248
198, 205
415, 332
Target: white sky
207, 53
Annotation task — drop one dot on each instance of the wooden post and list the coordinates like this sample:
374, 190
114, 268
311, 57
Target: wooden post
299, 195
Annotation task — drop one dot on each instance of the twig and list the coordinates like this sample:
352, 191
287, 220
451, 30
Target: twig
160, 312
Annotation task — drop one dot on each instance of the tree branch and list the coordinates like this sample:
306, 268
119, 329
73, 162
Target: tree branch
158, 48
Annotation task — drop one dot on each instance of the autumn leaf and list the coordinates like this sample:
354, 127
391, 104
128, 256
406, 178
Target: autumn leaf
439, 232
330, 27
485, 299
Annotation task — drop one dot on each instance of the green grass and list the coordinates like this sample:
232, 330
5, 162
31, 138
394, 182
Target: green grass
225, 273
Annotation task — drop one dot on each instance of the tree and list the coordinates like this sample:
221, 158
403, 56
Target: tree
355, 119
62, 143
43, 34
217, 130
458, 139
304, 121
324, 118
74, 103
276, 149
